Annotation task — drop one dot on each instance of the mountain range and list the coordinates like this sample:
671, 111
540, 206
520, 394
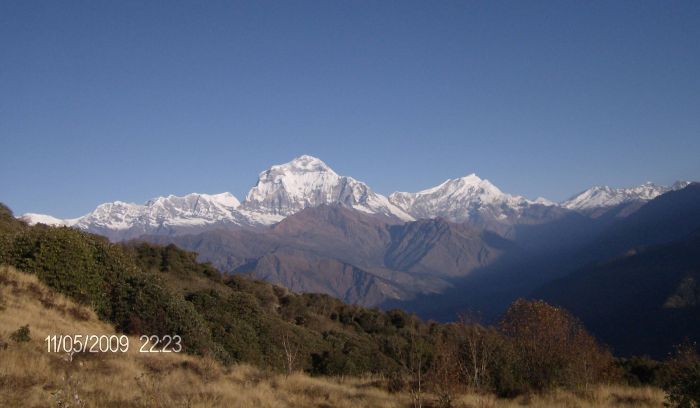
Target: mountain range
462, 246
546, 253
306, 181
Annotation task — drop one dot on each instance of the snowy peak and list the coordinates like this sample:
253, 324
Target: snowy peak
470, 188
308, 182
304, 163
121, 220
462, 199
605, 196
287, 188
33, 219
680, 185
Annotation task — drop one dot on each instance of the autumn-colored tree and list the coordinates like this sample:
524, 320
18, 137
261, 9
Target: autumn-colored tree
552, 348
444, 376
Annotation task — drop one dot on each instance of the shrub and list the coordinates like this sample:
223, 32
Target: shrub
640, 370
682, 382
21, 335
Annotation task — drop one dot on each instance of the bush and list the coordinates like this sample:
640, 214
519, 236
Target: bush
640, 371
682, 382
21, 335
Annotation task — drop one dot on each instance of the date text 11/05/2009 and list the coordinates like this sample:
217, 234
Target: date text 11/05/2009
92, 343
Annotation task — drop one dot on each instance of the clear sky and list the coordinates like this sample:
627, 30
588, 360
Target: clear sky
122, 100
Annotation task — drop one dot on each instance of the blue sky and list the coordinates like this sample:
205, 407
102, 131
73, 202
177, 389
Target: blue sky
120, 100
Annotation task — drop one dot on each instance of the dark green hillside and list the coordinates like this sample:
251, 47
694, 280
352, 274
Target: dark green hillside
144, 288
104, 276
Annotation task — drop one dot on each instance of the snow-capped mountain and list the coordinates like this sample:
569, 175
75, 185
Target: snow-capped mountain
604, 196
120, 220
464, 199
32, 219
192, 209
308, 182
281, 190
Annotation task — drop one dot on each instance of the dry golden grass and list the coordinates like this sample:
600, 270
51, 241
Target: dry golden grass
603, 396
32, 377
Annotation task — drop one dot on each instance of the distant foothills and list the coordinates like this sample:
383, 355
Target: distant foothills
624, 260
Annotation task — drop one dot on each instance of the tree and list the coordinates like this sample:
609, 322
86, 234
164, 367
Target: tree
290, 354
552, 347
478, 352
443, 376
414, 359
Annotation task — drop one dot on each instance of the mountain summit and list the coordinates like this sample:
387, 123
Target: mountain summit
308, 182
464, 199
604, 196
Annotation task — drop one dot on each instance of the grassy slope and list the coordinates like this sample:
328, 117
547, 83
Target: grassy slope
29, 376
